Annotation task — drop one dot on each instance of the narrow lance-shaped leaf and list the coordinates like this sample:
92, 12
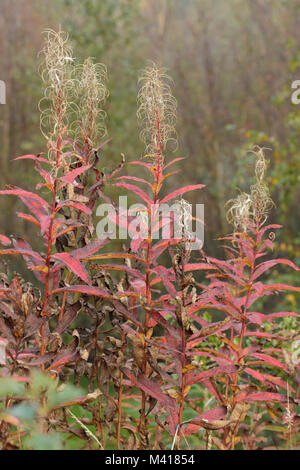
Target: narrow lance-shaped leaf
263, 267
89, 290
74, 265
149, 387
136, 190
72, 175
181, 191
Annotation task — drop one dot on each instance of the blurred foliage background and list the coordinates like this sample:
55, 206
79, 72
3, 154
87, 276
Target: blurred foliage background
233, 63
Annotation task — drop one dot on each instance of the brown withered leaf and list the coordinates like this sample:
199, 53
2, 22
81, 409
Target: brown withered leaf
55, 342
174, 394
114, 341
27, 301
187, 280
211, 329
194, 295
215, 425
239, 413
81, 400
33, 324
110, 412
5, 330
138, 351
68, 317
84, 354
152, 403
218, 443
18, 329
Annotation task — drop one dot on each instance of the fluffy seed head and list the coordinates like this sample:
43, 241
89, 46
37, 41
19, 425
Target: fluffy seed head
246, 208
56, 72
261, 200
92, 93
239, 212
156, 110
184, 217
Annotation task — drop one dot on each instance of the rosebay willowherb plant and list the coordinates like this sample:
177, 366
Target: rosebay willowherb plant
35, 320
172, 351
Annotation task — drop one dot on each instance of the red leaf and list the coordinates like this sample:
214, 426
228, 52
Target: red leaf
280, 287
173, 161
270, 360
261, 334
116, 255
103, 144
74, 265
166, 278
120, 267
263, 378
29, 218
32, 157
69, 316
136, 190
89, 249
133, 178
135, 244
208, 330
45, 221
266, 228
181, 191
128, 315
146, 165
23, 193
21, 244
76, 205
89, 290
218, 412
33, 201
198, 267
170, 330
66, 356
261, 268
32, 259
4, 240
228, 369
265, 396
161, 246
12, 251
282, 314
150, 387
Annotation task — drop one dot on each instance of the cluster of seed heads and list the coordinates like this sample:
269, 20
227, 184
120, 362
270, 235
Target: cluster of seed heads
73, 92
247, 208
156, 110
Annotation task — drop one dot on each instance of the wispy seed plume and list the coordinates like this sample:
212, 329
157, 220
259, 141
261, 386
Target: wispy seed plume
247, 208
156, 110
92, 93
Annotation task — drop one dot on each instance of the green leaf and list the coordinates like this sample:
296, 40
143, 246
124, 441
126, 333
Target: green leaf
11, 387
44, 442
24, 411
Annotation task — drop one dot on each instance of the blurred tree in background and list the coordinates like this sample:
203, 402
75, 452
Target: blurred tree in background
232, 63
